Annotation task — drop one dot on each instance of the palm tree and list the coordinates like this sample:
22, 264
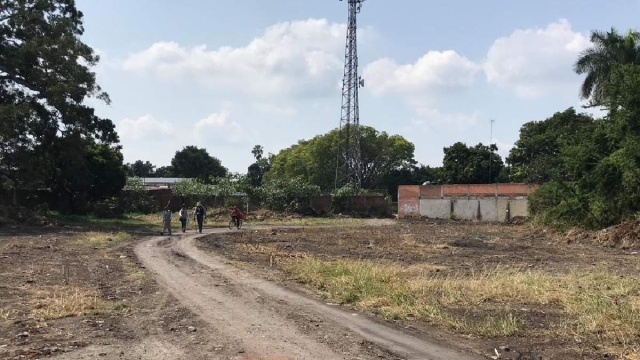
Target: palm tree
609, 50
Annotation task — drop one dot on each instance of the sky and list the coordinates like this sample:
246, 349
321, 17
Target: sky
227, 75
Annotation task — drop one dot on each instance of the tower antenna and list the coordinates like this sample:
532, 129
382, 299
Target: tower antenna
349, 164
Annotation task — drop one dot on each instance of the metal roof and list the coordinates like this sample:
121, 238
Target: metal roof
161, 180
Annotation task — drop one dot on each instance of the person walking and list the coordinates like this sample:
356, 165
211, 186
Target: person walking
167, 216
200, 214
184, 217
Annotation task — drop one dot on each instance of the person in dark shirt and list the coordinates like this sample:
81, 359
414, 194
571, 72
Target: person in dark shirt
200, 214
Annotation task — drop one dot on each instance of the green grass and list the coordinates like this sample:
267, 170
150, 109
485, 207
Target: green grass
127, 222
152, 222
101, 239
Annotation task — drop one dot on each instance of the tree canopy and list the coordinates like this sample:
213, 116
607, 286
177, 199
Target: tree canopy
464, 164
609, 50
314, 160
141, 169
44, 79
537, 154
196, 163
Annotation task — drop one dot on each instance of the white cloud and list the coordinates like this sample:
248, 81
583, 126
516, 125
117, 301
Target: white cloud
434, 70
533, 62
217, 128
428, 118
503, 147
272, 109
144, 127
295, 58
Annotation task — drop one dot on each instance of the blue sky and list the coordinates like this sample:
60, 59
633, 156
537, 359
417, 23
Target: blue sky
226, 75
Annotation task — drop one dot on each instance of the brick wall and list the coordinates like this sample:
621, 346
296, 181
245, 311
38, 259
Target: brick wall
409, 196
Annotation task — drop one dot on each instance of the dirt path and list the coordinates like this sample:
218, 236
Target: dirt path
257, 319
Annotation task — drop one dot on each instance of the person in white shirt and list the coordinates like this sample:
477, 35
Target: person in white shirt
167, 216
184, 216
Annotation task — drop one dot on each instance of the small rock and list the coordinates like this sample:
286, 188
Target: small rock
505, 348
123, 256
241, 351
102, 354
191, 329
23, 335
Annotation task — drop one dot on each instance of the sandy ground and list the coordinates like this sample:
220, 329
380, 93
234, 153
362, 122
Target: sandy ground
255, 319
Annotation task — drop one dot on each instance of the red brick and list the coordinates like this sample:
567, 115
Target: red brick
430, 192
455, 190
513, 189
482, 190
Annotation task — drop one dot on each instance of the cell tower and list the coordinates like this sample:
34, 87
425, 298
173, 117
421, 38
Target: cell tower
349, 164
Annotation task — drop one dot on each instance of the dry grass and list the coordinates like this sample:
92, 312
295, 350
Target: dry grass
102, 239
134, 273
64, 302
155, 220
592, 304
8, 314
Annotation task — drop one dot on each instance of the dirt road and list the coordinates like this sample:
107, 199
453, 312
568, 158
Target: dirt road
252, 318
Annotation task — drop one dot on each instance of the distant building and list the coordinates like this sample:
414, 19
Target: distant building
159, 183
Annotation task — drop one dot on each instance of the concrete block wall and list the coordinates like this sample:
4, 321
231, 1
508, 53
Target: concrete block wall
483, 202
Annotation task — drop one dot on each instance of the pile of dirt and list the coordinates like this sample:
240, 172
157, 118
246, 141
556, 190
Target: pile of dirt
19, 215
623, 236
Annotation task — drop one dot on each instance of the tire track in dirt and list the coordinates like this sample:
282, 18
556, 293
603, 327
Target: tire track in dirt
232, 300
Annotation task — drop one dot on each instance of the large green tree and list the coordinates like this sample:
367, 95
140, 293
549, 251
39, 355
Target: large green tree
464, 164
314, 160
44, 79
411, 175
196, 163
141, 169
256, 171
609, 50
537, 154
603, 167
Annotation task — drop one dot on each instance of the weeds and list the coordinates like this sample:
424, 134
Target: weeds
68, 302
134, 273
102, 239
593, 304
7, 314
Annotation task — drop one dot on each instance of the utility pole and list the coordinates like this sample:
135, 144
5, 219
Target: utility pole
491, 152
349, 160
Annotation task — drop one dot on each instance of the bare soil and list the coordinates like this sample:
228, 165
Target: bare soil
447, 248
70, 300
72, 293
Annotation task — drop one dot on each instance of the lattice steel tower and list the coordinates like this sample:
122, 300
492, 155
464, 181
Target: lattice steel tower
349, 164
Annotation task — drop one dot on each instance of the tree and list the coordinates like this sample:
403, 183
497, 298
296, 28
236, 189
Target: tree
603, 167
256, 171
257, 152
609, 50
44, 80
141, 169
164, 171
412, 175
192, 162
314, 160
537, 154
471, 165
85, 171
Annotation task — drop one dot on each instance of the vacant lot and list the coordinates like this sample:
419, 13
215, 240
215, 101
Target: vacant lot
505, 286
68, 289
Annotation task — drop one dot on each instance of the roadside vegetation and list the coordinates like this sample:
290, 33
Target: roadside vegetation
503, 284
